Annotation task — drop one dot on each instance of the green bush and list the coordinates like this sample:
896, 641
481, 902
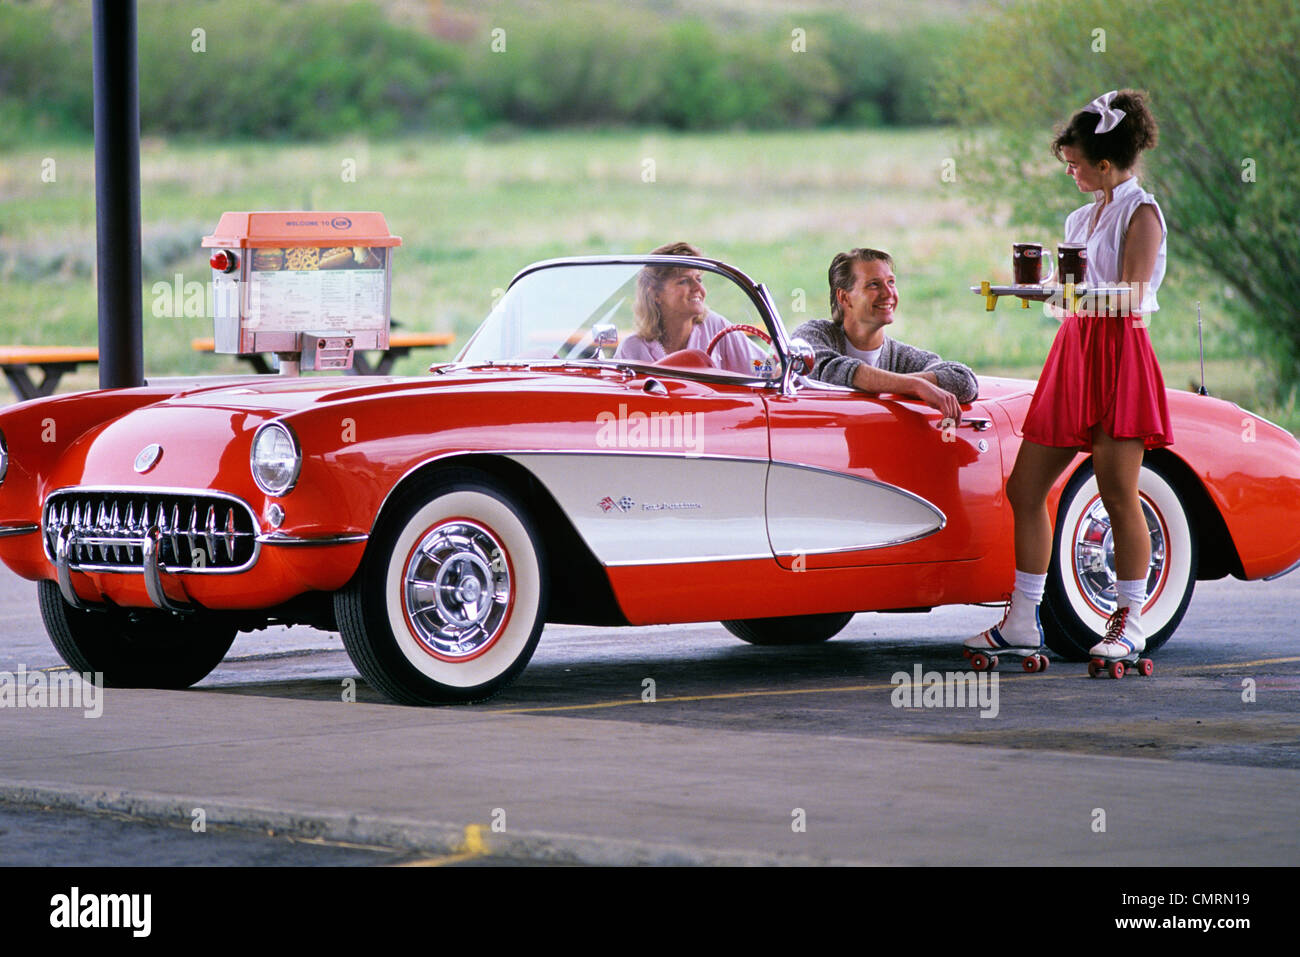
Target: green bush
558, 72
923, 54
292, 70
45, 64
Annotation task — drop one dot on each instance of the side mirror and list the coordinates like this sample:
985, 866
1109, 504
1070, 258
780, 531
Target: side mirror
604, 334
802, 357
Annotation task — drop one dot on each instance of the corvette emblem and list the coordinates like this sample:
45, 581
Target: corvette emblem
148, 457
623, 504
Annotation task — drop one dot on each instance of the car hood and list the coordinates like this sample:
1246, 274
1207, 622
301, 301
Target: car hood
997, 389
205, 427
278, 395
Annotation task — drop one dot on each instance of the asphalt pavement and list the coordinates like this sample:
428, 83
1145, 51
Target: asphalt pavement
729, 755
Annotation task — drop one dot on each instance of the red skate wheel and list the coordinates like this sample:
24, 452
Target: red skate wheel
993, 661
979, 661
1116, 669
1030, 663
1145, 667
966, 653
1094, 667
1043, 662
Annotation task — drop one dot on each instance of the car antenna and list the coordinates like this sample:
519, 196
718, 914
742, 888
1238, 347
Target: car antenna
1200, 338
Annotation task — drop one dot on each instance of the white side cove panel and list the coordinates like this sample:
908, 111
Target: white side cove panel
813, 511
635, 509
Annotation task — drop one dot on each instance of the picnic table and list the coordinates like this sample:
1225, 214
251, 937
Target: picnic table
399, 344
54, 361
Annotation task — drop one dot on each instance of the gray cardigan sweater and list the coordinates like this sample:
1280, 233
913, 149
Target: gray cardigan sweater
833, 366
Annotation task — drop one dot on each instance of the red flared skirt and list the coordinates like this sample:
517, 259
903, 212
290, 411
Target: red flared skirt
1103, 372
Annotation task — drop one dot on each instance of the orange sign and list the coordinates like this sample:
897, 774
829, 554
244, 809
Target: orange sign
301, 228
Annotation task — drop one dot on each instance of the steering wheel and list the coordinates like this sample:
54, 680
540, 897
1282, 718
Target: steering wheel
750, 330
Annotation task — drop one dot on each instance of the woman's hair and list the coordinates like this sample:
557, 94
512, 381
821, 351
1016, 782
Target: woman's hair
649, 321
1136, 132
841, 276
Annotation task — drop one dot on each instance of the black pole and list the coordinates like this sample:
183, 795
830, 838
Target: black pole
117, 194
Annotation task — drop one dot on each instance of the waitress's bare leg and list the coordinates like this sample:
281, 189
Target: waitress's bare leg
1036, 470
1118, 464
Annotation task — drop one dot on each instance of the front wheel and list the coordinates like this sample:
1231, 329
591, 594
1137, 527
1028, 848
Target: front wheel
450, 598
792, 630
1080, 594
135, 648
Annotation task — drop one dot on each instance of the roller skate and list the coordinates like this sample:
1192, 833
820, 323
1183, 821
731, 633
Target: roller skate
1015, 634
1120, 651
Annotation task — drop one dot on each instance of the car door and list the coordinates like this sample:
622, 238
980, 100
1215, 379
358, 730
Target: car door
859, 480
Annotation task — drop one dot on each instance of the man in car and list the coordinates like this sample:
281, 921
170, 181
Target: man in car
852, 349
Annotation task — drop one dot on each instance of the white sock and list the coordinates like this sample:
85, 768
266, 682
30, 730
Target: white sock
1031, 586
1132, 593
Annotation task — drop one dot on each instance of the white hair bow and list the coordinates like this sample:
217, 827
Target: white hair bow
1109, 117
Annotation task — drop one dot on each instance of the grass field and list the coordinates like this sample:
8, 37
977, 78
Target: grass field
472, 211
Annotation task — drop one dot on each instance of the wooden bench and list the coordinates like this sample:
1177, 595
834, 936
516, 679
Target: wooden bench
54, 361
399, 344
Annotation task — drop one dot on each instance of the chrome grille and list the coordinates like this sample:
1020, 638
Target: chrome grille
197, 530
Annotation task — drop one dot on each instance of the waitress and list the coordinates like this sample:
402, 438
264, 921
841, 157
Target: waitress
1101, 389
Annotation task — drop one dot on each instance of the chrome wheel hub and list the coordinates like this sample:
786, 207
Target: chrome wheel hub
1093, 551
456, 589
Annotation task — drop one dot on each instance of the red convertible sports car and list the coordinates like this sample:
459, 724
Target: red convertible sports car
440, 522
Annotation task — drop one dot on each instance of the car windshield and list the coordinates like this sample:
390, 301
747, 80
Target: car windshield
628, 313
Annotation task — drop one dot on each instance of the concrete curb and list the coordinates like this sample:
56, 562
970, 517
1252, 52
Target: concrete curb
432, 838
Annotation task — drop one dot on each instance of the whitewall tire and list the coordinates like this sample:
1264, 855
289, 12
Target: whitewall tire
451, 596
1081, 581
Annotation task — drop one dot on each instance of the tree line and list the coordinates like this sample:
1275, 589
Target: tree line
307, 70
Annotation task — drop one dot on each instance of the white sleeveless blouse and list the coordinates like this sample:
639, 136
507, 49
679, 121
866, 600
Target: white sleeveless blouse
1106, 244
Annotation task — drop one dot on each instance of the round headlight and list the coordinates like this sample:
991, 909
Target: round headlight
275, 459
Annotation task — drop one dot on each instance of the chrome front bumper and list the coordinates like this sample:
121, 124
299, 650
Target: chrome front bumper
155, 532
150, 531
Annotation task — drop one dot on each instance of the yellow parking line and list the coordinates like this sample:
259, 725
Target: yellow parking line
348, 845
1249, 664
474, 846
842, 689
697, 697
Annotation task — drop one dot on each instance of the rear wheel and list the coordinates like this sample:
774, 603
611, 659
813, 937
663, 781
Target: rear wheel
792, 630
450, 598
1080, 594
135, 648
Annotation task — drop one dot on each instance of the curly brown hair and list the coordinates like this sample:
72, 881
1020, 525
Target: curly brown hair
1136, 132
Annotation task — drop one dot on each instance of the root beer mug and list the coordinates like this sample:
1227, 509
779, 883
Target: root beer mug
1072, 262
1027, 264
